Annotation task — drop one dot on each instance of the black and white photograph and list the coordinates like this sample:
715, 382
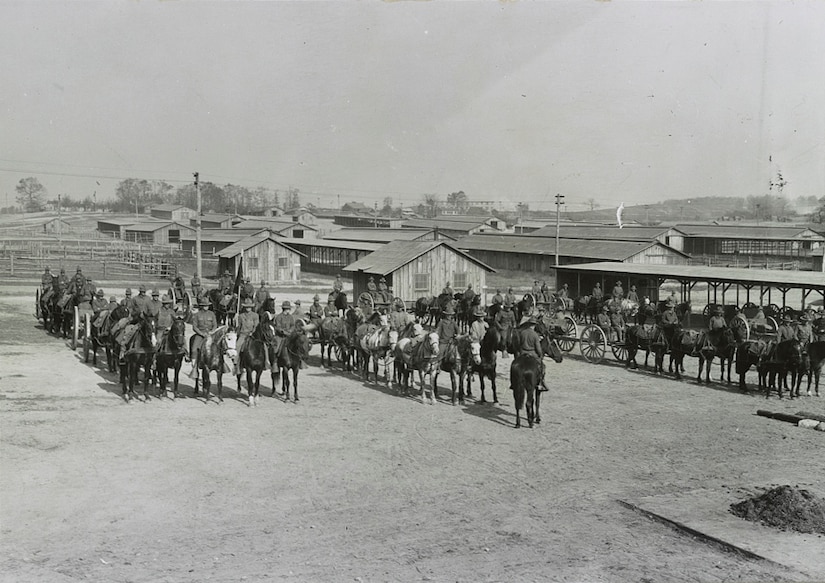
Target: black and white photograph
412, 291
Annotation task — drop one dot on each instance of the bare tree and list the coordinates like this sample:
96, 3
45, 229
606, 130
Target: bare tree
431, 205
30, 194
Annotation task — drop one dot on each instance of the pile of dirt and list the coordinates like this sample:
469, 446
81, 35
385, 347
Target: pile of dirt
785, 508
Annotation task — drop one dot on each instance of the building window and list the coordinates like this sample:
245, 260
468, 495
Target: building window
297, 233
421, 282
283, 262
460, 280
174, 235
252, 262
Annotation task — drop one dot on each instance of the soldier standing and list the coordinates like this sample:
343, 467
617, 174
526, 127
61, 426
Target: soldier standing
618, 292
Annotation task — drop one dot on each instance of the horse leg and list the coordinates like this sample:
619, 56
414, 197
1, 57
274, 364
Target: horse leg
295, 372
285, 383
178, 363
250, 388
538, 402
220, 382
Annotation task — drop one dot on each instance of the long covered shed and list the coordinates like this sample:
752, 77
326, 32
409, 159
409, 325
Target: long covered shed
537, 254
266, 257
414, 269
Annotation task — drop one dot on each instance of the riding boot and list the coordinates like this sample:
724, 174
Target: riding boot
542, 385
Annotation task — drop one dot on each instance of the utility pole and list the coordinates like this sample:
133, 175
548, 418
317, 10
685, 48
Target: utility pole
375, 214
59, 221
198, 270
559, 202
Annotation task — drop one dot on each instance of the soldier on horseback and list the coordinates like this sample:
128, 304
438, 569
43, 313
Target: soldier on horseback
448, 289
527, 341
337, 285
46, 280
804, 332
154, 305
203, 324
632, 295
284, 325
247, 322
166, 315
261, 295
247, 289
316, 311
597, 292
330, 311
77, 284
479, 327
786, 330
447, 328
196, 288
469, 294
563, 293
510, 296
99, 303
399, 318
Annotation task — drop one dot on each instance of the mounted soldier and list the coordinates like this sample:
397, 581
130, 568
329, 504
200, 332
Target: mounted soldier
247, 289
166, 316
154, 305
298, 313
178, 288
226, 283
247, 323
77, 284
46, 281
564, 295
804, 332
597, 294
448, 289
479, 327
498, 298
603, 318
510, 296
536, 289
545, 293
330, 311
469, 294
716, 324
127, 298
505, 322
284, 325
203, 324
62, 281
632, 295
261, 295
447, 329
399, 318
528, 341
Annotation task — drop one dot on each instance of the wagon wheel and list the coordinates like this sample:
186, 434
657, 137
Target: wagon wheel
339, 353
397, 300
87, 333
787, 311
619, 350
37, 312
593, 343
707, 309
774, 324
739, 325
75, 328
366, 300
571, 334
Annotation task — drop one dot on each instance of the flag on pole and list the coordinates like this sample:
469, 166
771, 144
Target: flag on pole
239, 277
619, 212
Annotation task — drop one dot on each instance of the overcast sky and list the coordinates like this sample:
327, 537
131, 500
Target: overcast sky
516, 101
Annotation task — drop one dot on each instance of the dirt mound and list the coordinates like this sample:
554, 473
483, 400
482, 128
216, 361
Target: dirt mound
785, 508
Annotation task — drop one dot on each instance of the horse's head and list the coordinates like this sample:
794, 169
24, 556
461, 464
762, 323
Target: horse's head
551, 348
298, 343
177, 333
475, 352
392, 336
147, 328
228, 341
431, 342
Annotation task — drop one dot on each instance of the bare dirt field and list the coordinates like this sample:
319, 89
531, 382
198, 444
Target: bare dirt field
355, 483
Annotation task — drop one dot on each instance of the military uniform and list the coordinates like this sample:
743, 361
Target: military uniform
632, 295
63, 281
195, 282
447, 328
510, 297
603, 319
153, 306
598, 294
316, 311
618, 292
139, 304
804, 332
247, 290
669, 318
338, 285
529, 342
330, 311
469, 294
203, 324
505, 322
617, 323
448, 289
247, 322
226, 284
284, 325
165, 318
77, 284
178, 288
383, 290
261, 295
564, 296
99, 303
498, 298
399, 319
46, 280
372, 288
478, 329
536, 289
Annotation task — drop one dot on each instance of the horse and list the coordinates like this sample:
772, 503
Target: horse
422, 357
816, 358
217, 353
457, 358
752, 353
786, 357
422, 308
526, 375
379, 345
701, 345
333, 333
140, 352
464, 311
652, 339
252, 358
339, 300
491, 343
353, 318
170, 354
101, 336
64, 317
524, 307
293, 353
224, 314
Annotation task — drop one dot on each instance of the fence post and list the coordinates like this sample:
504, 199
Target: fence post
104, 269
11, 263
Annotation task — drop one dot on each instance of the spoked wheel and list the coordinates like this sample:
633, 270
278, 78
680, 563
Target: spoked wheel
593, 344
571, 334
619, 350
739, 325
773, 324
339, 354
87, 333
708, 309
75, 328
398, 300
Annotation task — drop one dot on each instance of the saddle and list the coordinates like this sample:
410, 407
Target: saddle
61, 303
101, 319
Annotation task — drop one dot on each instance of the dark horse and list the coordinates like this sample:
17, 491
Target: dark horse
293, 353
252, 358
653, 339
752, 353
102, 337
787, 357
525, 377
140, 352
486, 367
221, 344
332, 333
170, 355
464, 311
705, 347
223, 313
456, 357
339, 300
816, 358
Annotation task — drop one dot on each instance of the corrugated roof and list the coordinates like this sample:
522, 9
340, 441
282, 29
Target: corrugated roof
221, 235
398, 253
749, 232
251, 241
442, 224
605, 233
740, 275
152, 227
381, 235
276, 226
584, 248
349, 245
123, 222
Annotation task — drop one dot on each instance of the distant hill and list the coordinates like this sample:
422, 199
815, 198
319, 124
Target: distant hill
704, 209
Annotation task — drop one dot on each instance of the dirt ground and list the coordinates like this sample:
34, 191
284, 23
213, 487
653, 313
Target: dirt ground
355, 483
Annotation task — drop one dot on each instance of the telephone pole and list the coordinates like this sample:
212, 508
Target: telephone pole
559, 202
198, 270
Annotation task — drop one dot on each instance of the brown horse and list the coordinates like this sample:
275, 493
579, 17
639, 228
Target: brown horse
332, 334
292, 355
170, 355
486, 365
455, 358
252, 358
526, 373
140, 352
215, 354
